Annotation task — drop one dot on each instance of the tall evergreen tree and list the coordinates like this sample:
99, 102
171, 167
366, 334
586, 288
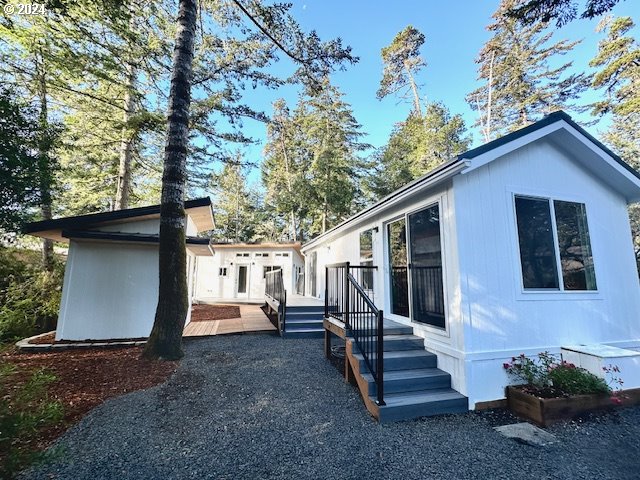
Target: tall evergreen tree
563, 11
618, 58
331, 136
416, 146
234, 200
519, 83
402, 62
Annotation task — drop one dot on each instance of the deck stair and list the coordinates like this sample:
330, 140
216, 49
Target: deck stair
304, 321
413, 385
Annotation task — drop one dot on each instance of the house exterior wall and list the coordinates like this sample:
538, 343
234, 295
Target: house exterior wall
499, 318
345, 246
210, 284
110, 289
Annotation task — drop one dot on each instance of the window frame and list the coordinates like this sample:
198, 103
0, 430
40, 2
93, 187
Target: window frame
551, 293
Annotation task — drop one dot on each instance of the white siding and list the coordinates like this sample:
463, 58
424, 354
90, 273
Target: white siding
110, 291
500, 320
210, 284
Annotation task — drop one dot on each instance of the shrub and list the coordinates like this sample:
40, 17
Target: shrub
24, 411
29, 297
551, 376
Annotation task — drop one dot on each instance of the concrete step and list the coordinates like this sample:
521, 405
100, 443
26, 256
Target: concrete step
303, 332
402, 360
399, 381
421, 403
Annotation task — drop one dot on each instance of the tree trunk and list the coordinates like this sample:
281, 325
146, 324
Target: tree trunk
292, 216
44, 168
165, 340
414, 89
126, 144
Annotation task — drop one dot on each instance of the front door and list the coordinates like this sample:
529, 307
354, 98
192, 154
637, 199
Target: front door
242, 281
414, 253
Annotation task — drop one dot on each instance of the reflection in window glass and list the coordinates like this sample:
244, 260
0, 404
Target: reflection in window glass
366, 260
535, 237
575, 247
397, 242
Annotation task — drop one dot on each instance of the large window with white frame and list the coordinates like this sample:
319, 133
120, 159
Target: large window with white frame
554, 244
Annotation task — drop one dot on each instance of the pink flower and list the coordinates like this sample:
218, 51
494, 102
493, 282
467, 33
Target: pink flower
615, 400
506, 366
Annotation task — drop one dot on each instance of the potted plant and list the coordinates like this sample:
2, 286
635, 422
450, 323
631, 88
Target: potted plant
552, 389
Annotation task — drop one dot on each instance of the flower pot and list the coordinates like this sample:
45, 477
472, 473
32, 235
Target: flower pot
547, 411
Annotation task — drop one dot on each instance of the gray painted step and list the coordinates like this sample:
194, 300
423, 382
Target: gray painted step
303, 332
296, 324
402, 342
306, 308
305, 315
399, 381
403, 360
411, 405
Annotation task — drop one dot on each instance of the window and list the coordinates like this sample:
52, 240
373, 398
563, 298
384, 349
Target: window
282, 254
242, 254
269, 268
366, 259
261, 254
554, 242
222, 271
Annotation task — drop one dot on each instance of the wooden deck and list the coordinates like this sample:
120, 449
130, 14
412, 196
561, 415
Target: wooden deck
252, 319
294, 300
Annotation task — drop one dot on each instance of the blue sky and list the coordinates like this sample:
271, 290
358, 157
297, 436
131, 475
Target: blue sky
455, 31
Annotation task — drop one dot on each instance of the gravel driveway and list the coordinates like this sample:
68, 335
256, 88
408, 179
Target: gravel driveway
257, 407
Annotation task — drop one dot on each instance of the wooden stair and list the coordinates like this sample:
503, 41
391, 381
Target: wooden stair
413, 385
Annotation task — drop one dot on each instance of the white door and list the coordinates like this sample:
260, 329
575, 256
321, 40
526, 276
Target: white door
243, 274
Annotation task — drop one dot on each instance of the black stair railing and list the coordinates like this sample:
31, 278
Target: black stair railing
274, 288
348, 302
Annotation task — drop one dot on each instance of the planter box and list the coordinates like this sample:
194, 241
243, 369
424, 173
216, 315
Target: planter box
547, 411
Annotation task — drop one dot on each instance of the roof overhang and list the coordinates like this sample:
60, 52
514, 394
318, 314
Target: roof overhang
196, 245
257, 246
199, 210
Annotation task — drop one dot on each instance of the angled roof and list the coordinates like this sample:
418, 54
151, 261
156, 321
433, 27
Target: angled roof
558, 126
200, 211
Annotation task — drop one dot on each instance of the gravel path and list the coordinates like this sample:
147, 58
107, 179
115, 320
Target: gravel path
258, 407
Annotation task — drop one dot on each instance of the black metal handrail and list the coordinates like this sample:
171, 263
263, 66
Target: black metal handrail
347, 301
274, 288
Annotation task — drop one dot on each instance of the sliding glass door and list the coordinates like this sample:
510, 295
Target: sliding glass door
425, 267
415, 267
398, 282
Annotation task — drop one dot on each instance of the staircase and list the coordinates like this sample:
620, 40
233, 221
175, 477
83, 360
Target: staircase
413, 385
303, 322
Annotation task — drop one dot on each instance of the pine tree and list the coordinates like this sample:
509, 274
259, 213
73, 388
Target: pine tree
563, 11
619, 60
519, 84
415, 147
331, 138
402, 62
235, 208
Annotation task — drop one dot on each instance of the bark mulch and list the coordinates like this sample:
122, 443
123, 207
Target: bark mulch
86, 378
203, 313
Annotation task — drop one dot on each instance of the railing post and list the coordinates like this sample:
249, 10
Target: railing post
326, 292
346, 295
380, 359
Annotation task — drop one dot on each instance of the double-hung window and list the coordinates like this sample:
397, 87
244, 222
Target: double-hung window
555, 247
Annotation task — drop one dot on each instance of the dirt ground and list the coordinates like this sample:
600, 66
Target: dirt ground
202, 313
86, 378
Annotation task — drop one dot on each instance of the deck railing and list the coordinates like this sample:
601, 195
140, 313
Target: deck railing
277, 295
347, 301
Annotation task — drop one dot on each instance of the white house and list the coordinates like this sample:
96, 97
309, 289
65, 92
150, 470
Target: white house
519, 246
110, 285
237, 271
